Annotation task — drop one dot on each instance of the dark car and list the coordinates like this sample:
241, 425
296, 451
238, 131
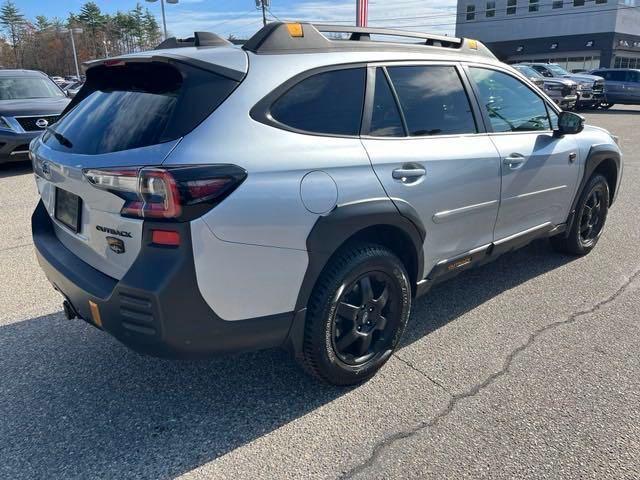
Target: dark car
29, 102
621, 85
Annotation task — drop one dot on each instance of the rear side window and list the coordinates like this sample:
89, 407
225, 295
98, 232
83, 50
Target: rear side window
385, 117
433, 100
137, 105
325, 103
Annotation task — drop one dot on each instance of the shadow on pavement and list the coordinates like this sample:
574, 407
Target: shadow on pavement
77, 404
612, 111
11, 169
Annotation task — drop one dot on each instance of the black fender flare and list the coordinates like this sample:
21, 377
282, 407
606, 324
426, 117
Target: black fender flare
331, 231
597, 154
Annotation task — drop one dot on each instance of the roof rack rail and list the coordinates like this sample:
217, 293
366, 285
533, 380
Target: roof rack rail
281, 37
199, 39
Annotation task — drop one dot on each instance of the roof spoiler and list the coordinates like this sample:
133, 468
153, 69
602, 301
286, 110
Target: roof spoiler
281, 37
199, 39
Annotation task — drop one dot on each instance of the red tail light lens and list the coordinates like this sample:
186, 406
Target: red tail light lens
174, 194
165, 237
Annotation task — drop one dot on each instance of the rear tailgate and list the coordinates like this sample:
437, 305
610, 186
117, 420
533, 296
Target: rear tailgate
131, 113
99, 215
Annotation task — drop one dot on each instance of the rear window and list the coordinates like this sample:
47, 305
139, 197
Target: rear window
137, 105
325, 103
433, 100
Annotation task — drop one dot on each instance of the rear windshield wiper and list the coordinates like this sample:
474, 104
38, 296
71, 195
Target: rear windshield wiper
64, 141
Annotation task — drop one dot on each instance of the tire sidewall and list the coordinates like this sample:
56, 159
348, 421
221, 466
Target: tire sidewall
331, 364
597, 180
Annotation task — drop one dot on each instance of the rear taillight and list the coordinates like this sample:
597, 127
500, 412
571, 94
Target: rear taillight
178, 193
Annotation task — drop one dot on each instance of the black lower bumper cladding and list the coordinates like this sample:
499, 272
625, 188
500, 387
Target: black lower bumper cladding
156, 308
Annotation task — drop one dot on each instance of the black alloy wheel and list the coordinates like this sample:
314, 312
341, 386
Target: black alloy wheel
356, 314
368, 313
591, 216
589, 220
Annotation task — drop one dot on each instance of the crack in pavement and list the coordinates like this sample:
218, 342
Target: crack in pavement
413, 367
15, 246
477, 388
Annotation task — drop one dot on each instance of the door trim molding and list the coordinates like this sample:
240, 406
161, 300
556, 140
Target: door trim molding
447, 215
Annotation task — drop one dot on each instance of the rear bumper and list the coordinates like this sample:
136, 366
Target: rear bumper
15, 146
156, 308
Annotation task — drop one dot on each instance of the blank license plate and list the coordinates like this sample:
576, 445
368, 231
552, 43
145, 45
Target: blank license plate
68, 209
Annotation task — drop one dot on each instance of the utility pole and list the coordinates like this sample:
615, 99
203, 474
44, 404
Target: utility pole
264, 4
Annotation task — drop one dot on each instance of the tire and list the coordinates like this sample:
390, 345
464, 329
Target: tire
606, 105
588, 224
339, 346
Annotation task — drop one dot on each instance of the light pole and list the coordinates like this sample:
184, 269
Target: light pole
164, 20
73, 47
71, 31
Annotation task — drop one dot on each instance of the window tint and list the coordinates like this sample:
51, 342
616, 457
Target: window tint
137, 105
329, 102
543, 71
509, 103
385, 117
433, 100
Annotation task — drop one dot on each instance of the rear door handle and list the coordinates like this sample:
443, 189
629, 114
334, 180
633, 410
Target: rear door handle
514, 160
408, 174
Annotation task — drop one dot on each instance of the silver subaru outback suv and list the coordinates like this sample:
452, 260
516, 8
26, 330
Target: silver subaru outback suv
301, 191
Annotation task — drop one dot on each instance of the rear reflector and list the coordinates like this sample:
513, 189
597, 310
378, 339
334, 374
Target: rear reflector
165, 237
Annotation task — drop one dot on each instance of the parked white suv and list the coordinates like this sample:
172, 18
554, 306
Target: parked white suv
301, 191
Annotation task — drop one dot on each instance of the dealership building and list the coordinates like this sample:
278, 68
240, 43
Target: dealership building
577, 34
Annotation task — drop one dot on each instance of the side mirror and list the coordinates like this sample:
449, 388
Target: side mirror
569, 123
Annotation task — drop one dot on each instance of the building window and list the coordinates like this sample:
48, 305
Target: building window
578, 3
471, 12
557, 4
533, 5
491, 9
600, 2
512, 5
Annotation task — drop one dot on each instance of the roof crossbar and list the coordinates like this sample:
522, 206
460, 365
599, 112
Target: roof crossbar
280, 37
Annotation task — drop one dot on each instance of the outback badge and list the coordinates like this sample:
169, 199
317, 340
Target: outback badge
115, 244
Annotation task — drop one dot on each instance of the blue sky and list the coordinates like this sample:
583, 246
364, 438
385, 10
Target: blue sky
241, 18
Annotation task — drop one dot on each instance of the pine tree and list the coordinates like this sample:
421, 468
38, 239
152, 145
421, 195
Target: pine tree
13, 22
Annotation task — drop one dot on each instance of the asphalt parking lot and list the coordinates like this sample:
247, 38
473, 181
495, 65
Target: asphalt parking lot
527, 367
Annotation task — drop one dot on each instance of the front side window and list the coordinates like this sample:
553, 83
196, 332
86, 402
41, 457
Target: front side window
433, 100
385, 117
325, 103
510, 105
22, 88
